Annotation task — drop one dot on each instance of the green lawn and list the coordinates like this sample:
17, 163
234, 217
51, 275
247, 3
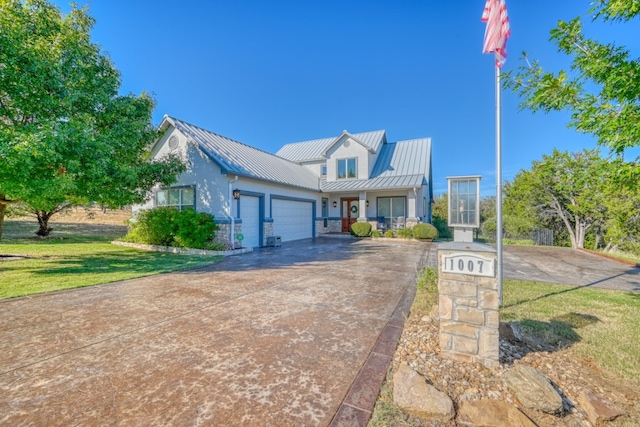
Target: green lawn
596, 323
77, 256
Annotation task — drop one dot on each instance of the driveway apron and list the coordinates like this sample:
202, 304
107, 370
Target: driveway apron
272, 338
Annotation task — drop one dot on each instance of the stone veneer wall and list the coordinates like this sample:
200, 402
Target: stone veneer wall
468, 309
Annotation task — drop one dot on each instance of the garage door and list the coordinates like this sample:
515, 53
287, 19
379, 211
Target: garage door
250, 215
292, 220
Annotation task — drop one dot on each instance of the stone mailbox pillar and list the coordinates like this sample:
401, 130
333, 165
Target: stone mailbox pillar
469, 302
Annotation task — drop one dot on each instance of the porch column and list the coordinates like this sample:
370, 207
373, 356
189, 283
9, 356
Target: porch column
362, 207
412, 214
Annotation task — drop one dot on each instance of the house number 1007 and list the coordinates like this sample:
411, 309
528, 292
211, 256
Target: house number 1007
468, 264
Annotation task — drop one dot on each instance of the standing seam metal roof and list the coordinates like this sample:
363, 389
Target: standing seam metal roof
236, 158
315, 149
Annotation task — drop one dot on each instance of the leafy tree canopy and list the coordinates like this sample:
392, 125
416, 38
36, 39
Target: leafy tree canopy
602, 89
65, 132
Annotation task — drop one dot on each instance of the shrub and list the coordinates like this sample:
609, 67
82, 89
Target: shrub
166, 226
520, 242
361, 229
405, 233
195, 229
425, 231
441, 225
376, 233
389, 233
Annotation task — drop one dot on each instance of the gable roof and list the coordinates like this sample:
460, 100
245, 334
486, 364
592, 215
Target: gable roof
402, 164
236, 158
316, 149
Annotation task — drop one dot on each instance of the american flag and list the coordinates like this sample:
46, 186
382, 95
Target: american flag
497, 31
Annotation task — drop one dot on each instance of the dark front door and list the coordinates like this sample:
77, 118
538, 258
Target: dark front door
349, 213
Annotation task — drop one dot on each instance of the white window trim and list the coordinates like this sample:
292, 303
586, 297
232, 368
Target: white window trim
346, 168
180, 204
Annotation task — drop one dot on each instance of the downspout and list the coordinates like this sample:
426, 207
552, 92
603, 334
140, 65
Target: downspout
232, 240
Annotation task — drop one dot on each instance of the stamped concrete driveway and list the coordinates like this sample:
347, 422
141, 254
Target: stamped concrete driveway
272, 338
568, 266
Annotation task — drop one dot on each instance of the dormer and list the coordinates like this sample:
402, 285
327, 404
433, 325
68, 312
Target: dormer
348, 157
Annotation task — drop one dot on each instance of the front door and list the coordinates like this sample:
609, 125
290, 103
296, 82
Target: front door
349, 213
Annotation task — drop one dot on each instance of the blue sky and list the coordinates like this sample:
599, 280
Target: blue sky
268, 73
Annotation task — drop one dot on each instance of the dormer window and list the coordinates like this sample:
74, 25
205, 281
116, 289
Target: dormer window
347, 168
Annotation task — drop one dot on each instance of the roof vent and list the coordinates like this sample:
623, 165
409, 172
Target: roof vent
173, 142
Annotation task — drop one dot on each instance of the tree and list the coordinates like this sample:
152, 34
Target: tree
66, 135
440, 215
602, 90
570, 188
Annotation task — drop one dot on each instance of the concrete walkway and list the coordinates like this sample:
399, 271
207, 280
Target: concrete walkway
294, 336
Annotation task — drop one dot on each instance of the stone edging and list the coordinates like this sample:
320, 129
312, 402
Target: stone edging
175, 250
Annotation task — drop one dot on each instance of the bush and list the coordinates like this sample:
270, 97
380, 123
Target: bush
405, 233
389, 233
361, 229
166, 226
519, 242
376, 233
425, 231
441, 225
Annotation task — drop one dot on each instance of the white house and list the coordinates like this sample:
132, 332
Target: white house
305, 189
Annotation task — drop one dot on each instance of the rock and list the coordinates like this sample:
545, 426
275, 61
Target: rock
491, 413
414, 396
509, 331
533, 389
435, 313
597, 408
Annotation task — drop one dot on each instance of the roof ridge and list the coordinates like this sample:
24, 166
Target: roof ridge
233, 140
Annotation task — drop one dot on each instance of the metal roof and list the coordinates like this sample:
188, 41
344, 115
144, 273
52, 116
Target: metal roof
315, 149
236, 158
378, 183
404, 158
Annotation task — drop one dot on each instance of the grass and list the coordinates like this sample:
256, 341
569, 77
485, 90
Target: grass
599, 324
77, 255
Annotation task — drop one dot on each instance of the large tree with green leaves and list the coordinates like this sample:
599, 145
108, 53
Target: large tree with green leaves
573, 189
66, 135
601, 91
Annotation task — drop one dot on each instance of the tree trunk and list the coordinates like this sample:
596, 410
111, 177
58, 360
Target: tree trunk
43, 220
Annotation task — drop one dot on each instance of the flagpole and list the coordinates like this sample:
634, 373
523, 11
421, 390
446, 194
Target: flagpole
499, 183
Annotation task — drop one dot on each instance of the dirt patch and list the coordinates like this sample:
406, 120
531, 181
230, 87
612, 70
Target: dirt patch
93, 216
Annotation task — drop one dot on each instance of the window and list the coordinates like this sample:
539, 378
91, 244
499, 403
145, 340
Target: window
325, 207
391, 211
179, 197
464, 199
323, 170
347, 168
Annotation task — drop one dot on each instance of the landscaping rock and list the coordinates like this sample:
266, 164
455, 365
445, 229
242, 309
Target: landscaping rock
414, 396
510, 331
533, 389
491, 413
597, 408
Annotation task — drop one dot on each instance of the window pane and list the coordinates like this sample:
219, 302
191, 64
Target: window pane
188, 197
161, 198
174, 197
323, 169
325, 207
397, 206
342, 169
351, 168
384, 206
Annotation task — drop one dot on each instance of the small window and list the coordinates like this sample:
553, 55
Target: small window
325, 207
323, 170
347, 168
179, 197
